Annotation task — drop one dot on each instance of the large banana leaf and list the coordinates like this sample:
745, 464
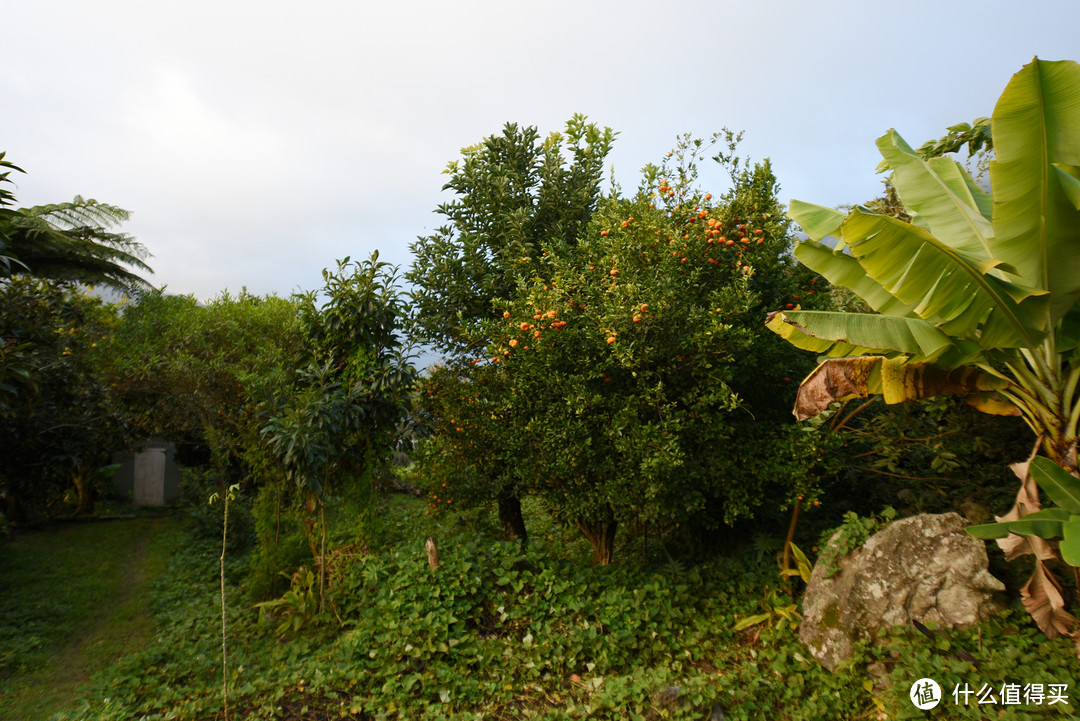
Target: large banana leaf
903, 270
840, 268
840, 334
818, 221
1046, 524
940, 192
1036, 124
953, 289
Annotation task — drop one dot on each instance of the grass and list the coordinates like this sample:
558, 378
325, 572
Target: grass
73, 601
499, 633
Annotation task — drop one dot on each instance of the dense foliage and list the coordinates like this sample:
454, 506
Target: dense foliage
502, 632
58, 422
196, 373
513, 193
627, 380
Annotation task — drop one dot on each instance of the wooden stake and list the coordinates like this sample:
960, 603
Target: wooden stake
432, 553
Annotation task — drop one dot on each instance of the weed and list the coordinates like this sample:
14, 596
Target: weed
851, 534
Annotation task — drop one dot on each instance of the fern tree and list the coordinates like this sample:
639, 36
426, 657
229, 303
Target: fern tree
73, 241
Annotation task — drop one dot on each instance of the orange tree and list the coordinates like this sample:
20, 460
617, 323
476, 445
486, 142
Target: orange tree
515, 191
627, 381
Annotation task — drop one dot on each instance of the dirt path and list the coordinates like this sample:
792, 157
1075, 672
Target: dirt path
126, 560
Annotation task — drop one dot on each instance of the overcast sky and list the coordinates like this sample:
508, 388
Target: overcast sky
257, 142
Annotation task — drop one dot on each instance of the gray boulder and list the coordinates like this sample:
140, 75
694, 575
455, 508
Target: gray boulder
924, 568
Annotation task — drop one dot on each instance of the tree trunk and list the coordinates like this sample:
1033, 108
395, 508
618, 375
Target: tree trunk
322, 555
83, 487
601, 535
511, 521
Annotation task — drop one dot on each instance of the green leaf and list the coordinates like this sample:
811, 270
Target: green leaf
1062, 487
953, 289
751, 621
840, 268
1035, 125
1070, 546
845, 334
939, 192
1046, 524
989, 531
804, 565
818, 221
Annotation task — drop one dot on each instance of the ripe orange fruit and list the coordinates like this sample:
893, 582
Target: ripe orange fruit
603, 233
536, 334
613, 272
513, 342
626, 224
611, 339
506, 314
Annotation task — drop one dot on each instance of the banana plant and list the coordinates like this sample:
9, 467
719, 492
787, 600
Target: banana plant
977, 295
1048, 524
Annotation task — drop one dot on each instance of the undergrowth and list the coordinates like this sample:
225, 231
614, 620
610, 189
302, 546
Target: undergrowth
498, 632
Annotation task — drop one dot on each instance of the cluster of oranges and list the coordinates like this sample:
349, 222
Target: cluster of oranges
738, 234
434, 502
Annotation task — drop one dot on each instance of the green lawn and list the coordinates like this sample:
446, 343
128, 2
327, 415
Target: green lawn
73, 599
